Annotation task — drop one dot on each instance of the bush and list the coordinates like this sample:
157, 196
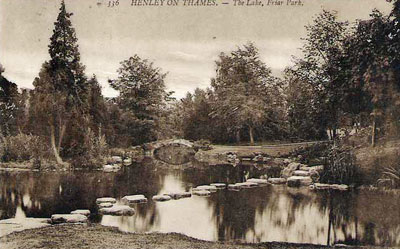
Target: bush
23, 147
341, 167
390, 177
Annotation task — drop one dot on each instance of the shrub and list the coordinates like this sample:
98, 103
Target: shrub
341, 167
390, 177
23, 147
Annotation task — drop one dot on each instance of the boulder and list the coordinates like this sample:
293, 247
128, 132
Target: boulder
116, 159
105, 199
201, 192
111, 168
85, 212
68, 218
288, 170
132, 199
118, 210
297, 181
179, 195
161, 198
105, 205
206, 187
258, 181
277, 180
127, 161
219, 185
301, 173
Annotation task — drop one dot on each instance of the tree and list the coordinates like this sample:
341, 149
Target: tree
9, 105
141, 92
245, 92
59, 103
324, 66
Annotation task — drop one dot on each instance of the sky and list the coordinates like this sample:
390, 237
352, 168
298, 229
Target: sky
183, 41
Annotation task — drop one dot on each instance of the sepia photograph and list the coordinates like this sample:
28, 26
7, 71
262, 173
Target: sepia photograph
204, 124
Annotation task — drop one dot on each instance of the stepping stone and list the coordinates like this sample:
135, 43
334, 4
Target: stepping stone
105, 199
85, 212
68, 218
234, 187
247, 184
301, 173
118, 210
105, 205
219, 185
111, 168
201, 193
297, 181
277, 180
116, 159
128, 161
324, 186
207, 187
161, 198
131, 199
258, 181
179, 195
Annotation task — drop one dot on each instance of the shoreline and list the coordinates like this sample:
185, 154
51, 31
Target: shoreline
98, 236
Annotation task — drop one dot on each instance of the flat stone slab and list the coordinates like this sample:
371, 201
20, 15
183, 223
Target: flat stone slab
111, 168
247, 184
85, 212
179, 195
234, 187
8, 226
201, 192
298, 181
219, 185
277, 180
118, 210
105, 199
324, 186
161, 198
301, 173
105, 205
206, 187
258, 181
132, 199
68, 218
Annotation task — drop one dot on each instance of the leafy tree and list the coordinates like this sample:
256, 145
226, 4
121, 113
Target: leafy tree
141, 92
9, 98
324, 66
245, 92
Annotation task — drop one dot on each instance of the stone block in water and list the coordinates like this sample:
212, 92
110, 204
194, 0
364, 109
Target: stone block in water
258, 181
247, 184
85, 212
68, 218
161, 198
105, 205
179, 195
105, 199
298, 181
132, 199
207, 187
301, 173
200, 192
234, 187
219, 185
118, 210
277, 180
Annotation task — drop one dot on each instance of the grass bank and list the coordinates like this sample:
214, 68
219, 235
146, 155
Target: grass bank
99, 237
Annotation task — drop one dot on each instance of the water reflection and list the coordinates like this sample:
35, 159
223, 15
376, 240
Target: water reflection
271, 213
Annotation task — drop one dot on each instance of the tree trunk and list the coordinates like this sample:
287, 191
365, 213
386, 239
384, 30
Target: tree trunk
238, 136
251, 134
61, 136
373, 137
53, 145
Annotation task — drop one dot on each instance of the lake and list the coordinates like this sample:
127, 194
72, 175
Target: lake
269, 213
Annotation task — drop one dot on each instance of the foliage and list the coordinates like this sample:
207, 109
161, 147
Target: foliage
341, 167
390, 177
24, 147
142, 97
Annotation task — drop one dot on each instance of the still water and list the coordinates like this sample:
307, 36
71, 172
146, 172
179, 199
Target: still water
270, 213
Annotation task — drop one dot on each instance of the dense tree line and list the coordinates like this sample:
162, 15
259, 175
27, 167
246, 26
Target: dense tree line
348, 76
